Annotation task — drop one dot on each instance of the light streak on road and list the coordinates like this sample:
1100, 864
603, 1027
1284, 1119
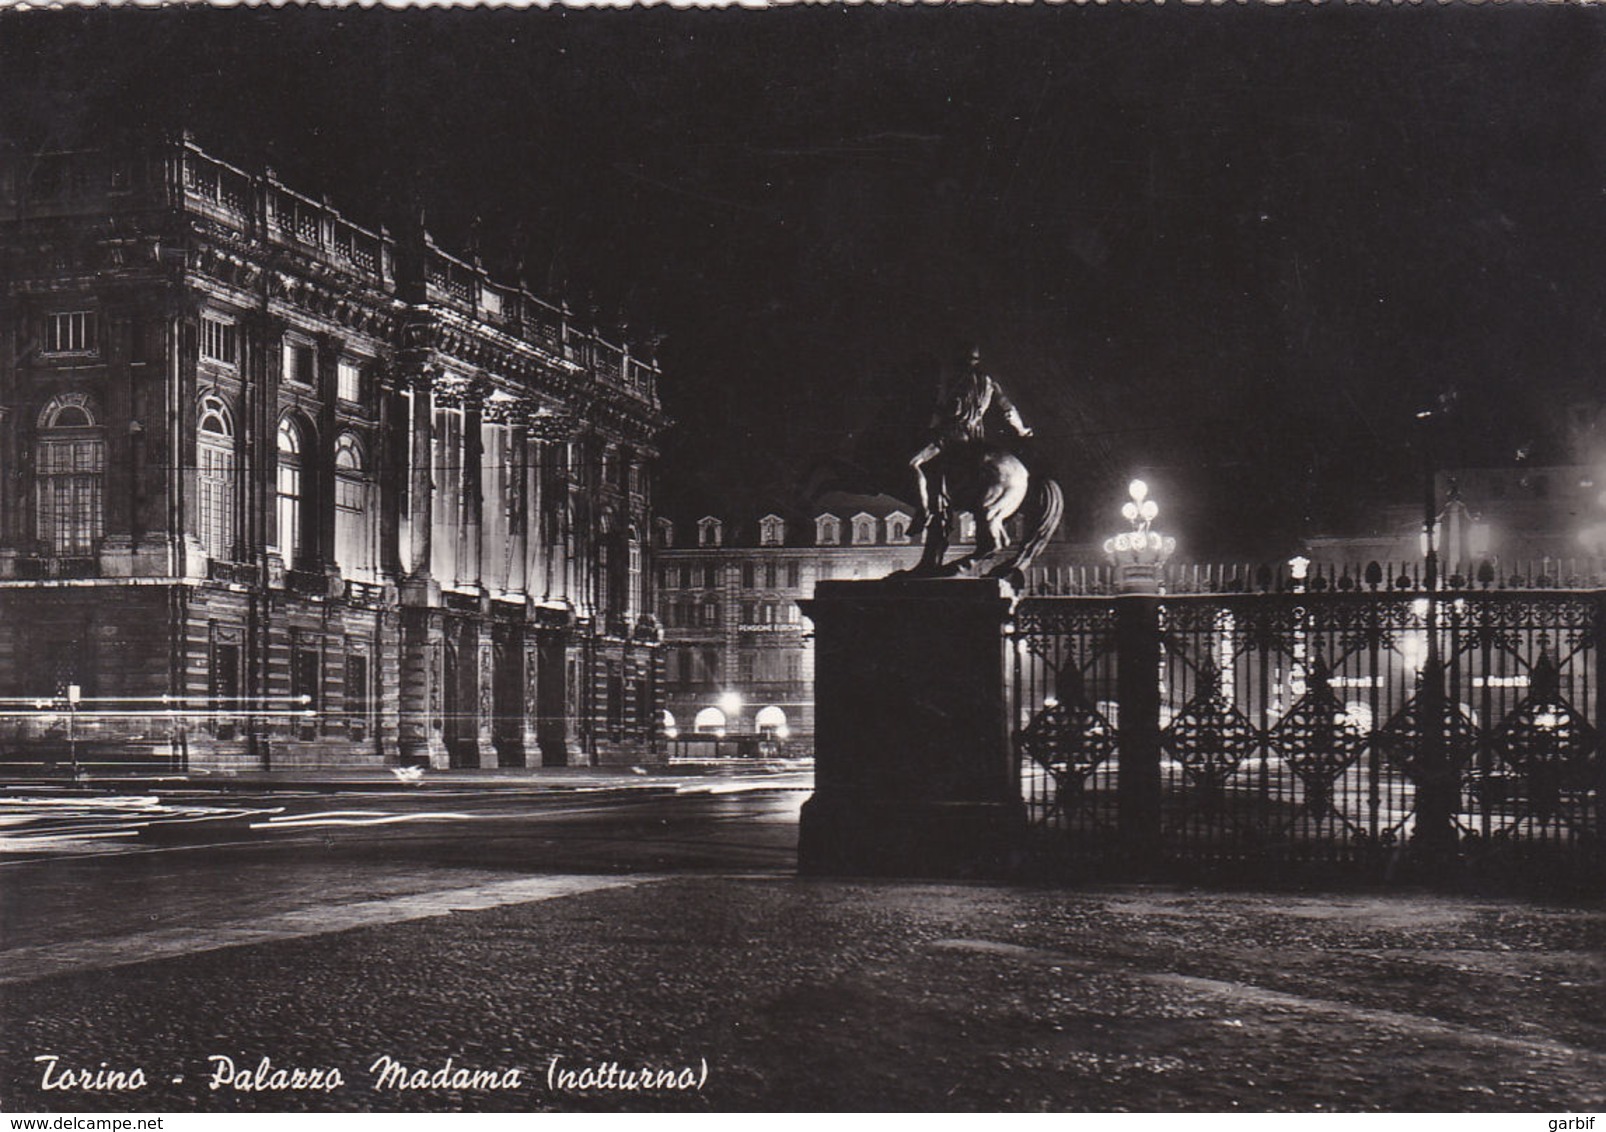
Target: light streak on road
360, 818
54, 825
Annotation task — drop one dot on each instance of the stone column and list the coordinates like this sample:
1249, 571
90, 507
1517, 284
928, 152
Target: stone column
124, 443
421, 494
473, 491
554, 720
325, 377
913, 775
530, 737
393, 479
518, 458
419, 737
484, 663
423, 642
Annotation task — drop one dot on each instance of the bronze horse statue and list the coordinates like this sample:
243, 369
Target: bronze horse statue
993, 484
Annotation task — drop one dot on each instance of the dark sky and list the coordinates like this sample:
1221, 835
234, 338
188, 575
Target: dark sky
1232, 249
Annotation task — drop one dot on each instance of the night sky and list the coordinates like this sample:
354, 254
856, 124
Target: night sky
1234, 250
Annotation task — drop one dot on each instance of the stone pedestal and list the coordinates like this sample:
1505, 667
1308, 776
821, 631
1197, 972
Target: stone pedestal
913, 772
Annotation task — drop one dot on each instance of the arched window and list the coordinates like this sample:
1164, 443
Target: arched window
292, 484
215, 478
71, 473
354, 529
710, 721
710, 532
772, 530
863, 529
827, 530
771, 723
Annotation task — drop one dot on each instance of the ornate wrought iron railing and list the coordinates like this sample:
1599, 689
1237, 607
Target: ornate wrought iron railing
1390, 731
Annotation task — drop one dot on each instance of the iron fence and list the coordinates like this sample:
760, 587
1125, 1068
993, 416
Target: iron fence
1379, 731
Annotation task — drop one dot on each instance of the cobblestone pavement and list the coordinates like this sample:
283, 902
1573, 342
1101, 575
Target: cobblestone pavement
824, 995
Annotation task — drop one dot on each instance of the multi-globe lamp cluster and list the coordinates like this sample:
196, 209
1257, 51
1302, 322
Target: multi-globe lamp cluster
1139, 554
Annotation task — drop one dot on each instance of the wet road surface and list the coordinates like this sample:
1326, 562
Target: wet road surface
665, 931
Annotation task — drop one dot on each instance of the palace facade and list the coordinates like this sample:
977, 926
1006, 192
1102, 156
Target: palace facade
738, 653
280, 490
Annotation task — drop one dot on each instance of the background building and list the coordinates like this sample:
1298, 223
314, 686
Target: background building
283, 490
739, 660
1529, 521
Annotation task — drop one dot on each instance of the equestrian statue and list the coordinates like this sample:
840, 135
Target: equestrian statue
962, 468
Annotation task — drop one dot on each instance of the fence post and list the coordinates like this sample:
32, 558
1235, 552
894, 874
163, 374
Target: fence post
1438, 781
1597, 720
1138, 788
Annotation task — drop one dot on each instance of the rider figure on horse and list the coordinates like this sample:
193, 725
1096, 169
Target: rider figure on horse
960, 420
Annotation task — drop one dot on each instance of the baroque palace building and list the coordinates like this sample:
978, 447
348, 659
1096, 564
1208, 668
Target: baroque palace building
279, 490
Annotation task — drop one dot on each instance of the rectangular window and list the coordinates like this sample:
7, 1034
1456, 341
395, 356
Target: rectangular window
616, 700
298, 362
827, 571
215, 505
225, 675
350, 493
69, 501
219, 340
769, 575
744, 666
793, 575
359, 699
710, 577
348, 381
225, 691
289, 511
747, 575
306, 679
72, 332
353, 532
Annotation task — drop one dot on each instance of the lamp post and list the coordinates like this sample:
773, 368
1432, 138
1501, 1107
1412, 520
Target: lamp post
74, 695
1437, 785
1139, 554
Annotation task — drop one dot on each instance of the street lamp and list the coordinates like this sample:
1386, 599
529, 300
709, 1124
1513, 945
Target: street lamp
1138, 554
74, 695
